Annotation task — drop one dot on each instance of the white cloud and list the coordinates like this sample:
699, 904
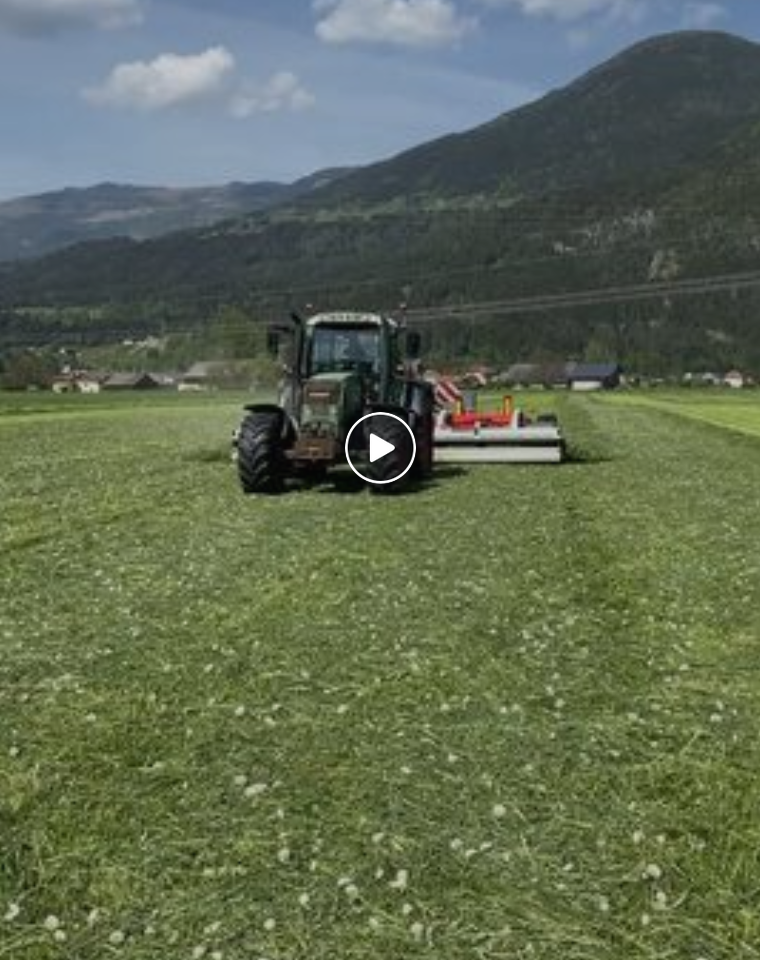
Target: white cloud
169, 80
700, 16
408, 23
44, 17
283, 91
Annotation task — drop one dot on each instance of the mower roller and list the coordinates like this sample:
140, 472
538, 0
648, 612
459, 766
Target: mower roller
495, 436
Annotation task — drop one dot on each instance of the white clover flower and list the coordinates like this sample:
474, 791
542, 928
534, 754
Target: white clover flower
351, 891
199, 952
660, 900
59, 936
240, 780
269, 924
637, 836
378, 837
283, 855
652, 871
401, 881
417, 930
604, 904
14, 751
117, 938
407, 909
303, 900
499, 811
240, 711
51, 922
255, 790
210, 929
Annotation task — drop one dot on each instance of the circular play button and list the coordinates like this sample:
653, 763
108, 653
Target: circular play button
388, 444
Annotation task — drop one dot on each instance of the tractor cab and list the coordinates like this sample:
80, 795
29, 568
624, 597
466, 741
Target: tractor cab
364, 345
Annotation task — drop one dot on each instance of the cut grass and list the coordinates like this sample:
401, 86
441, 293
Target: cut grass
514, 714
721, 408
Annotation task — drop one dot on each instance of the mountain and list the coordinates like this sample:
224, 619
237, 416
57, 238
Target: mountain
36, 225
638, 172
654, 108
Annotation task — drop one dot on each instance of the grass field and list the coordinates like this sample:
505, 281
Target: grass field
514, 715
733, 411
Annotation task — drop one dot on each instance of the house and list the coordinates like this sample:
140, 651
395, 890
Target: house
63, 383
203, 375
90, 381
593, 376
734, 379
546, 375
522, 375
702, 379
210, 374
130, 381
78, 381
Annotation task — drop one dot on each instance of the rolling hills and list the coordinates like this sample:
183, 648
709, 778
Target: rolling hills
36, 225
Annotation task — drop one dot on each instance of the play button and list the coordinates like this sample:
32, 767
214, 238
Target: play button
380, 448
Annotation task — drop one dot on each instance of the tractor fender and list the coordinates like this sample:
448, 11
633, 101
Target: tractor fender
286, 424
420, 398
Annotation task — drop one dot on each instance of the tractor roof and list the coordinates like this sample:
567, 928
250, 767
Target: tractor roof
349, 319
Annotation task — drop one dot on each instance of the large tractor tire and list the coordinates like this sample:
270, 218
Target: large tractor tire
421, 403
261, 460
423, 434
393, 463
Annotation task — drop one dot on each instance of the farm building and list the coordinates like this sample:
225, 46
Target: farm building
130, 381
593, 376
521, 375
210, 374
78, 381
204, 375
734, 379
548, 375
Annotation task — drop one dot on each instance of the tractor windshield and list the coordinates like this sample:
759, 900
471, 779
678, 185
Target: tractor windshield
342, 348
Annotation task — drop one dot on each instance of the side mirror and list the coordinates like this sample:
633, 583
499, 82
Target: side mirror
413, 345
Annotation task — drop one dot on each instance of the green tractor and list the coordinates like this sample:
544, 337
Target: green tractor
339, 368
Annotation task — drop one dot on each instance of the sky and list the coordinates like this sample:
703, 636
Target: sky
193, 93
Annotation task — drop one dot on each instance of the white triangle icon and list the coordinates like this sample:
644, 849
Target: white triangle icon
378, 447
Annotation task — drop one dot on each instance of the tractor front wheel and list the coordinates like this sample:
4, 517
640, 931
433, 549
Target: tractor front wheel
262, 465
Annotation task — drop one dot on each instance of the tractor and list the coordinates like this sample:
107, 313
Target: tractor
339, 367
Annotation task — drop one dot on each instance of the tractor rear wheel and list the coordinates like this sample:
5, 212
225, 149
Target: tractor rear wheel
423, 434
387, 468
262, 465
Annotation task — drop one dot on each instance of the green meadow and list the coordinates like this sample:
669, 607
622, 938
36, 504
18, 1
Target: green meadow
511, 715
